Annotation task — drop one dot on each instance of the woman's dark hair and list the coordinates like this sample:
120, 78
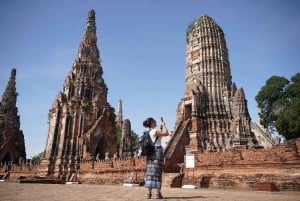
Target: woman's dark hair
147, 122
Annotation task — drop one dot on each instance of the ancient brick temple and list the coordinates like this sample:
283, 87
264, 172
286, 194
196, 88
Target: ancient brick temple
212, 114
81, 121
126, 147
12, 145
212, 123
119, 116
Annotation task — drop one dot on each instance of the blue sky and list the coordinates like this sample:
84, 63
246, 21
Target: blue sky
142, 46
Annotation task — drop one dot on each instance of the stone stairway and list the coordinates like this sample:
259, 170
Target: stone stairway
176, 138
174, 152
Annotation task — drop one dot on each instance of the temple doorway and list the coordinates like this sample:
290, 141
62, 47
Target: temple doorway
187, 112
101, 149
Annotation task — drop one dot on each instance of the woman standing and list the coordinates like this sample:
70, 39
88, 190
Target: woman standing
155, 162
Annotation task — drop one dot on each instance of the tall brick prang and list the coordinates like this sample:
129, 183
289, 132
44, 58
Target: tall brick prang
12, 145
81, 121
126, 147
212, 114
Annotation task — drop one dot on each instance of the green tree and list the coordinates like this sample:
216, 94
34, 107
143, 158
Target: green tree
36, 159
119, 135
134, 138
279, 103
134, 141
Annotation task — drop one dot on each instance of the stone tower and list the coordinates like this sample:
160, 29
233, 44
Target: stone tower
12, 145
119, 116
81, 121
217, 109
126, 149
212, 114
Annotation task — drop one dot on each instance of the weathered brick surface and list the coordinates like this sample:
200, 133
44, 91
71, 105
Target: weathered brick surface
234, 169
113, 171
17, 171
12, 144
243, 168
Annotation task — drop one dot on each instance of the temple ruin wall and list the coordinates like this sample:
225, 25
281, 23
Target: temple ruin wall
238, 168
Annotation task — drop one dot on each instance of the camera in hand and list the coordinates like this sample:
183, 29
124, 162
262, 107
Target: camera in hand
162, 120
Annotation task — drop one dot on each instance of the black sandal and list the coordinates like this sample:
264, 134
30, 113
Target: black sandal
159, 196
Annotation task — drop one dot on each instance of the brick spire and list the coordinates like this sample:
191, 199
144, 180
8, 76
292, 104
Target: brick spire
9, 98
119, 116
81, 121
88, 50
12, 145
212, 110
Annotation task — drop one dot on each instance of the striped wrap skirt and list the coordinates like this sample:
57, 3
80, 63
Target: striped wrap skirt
154, 169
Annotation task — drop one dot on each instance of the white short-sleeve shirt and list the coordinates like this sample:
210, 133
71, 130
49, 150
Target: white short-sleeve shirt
153, 137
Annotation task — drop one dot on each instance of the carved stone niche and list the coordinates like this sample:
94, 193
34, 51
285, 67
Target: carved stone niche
195, 54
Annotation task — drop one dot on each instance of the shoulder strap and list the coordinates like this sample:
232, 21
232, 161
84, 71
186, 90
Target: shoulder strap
155, 140
150, 137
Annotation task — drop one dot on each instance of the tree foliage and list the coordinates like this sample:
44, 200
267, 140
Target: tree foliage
36, 159
119, 135
134, 138
279, 104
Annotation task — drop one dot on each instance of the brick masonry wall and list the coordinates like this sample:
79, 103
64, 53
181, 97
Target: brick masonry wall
17, 171
114, 171
238, 168
242, 168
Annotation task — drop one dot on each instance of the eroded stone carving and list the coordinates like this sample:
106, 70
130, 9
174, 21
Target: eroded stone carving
81, 121
12, 145
212, 114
